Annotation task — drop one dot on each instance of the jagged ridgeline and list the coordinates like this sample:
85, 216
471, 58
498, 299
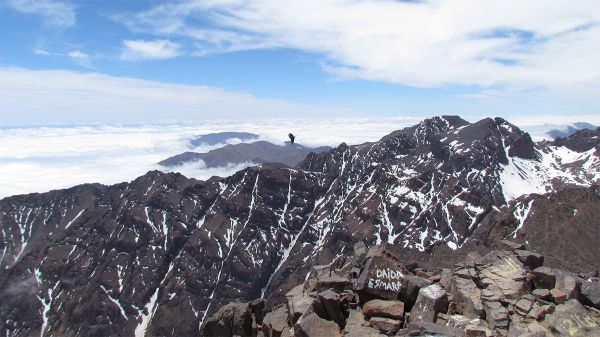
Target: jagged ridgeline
158, 256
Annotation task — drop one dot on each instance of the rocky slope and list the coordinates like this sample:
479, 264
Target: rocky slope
257, 152
507, 292
157, 256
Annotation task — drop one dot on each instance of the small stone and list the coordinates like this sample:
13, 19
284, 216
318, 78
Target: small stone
537, 313
544, 277
383, 308
477, 331
386, 325
523, 306
558, 296
542, 294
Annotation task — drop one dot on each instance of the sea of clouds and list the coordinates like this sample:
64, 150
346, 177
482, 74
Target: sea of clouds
39, 159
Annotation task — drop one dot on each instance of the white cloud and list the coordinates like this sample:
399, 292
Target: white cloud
149, 50
61, 96
38, 51
56, 13
38, 159
521, 44
76, 54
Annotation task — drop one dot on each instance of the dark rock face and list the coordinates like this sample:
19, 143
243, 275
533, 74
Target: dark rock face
580, 140
256, 152
159, 255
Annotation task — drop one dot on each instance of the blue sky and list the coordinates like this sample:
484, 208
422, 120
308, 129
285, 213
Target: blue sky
92, 61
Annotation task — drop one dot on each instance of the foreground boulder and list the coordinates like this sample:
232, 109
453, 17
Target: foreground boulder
275, 322
382, 275
431, 301
233, 319
314, 326
573, 319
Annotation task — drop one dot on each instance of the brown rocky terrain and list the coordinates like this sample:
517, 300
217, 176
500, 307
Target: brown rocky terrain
506, 292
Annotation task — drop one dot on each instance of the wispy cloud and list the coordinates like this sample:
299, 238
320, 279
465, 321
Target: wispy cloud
80, 58
149, 50
429, 43
56, 13
28, 97
38, 51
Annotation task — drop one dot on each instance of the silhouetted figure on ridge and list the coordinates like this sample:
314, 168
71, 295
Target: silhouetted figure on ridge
292, 138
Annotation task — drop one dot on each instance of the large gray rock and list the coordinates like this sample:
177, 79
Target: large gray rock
233, 319
298, 302
383, 308
430, 302
568, 283
382, 275
506, 273
574, 320
275, 322
590, 291
314, 326
331, 304
467, 297
410, 289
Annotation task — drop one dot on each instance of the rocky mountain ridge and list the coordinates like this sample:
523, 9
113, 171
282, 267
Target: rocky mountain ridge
161, 254
258, 152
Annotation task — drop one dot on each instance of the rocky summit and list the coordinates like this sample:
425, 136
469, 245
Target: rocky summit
161, 255
503, 293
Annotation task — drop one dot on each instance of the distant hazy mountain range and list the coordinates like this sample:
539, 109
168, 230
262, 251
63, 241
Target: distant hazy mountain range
570, 129
257, 152
221, 138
